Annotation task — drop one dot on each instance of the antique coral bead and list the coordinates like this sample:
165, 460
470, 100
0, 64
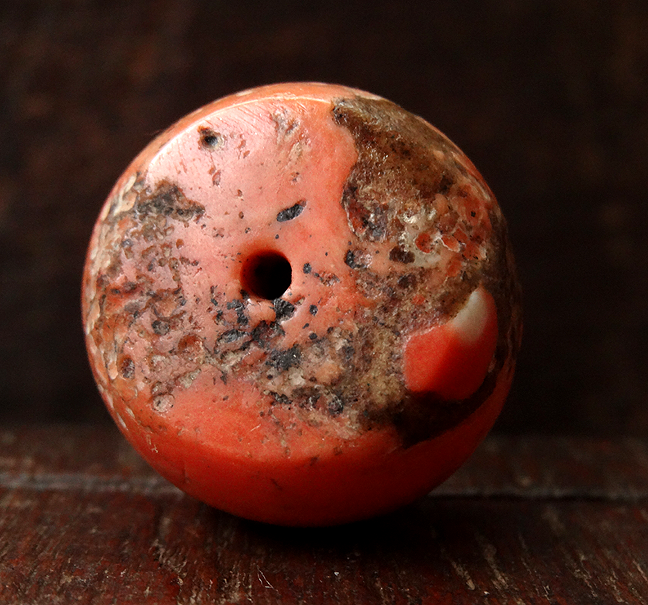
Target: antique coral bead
300, 305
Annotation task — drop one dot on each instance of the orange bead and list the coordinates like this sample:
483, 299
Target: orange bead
300, 305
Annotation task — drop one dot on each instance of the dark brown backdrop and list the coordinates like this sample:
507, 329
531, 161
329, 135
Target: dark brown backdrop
548, 97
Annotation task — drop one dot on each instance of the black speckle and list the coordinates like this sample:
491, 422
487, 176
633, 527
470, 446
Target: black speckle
312, 336
287, 214
444, 184
209, 139
312, 309
283, 360
283, 309
407, 281
239, 307
212, 296
400, 255
353, 259
280, 398
160, 327
307, 268
348, 352
335, 406
133, 308
127, 367
232, 335
264, 332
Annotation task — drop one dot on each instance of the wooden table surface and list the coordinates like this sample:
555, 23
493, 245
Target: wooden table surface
526, 520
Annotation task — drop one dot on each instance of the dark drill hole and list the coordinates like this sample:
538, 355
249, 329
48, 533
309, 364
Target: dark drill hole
267, 275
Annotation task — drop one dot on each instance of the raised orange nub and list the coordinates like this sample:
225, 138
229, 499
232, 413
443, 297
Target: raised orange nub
452, 360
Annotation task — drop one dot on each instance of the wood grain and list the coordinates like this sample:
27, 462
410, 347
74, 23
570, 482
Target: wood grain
527, 520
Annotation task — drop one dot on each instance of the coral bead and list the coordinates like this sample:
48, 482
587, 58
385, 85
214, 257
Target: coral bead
300, 305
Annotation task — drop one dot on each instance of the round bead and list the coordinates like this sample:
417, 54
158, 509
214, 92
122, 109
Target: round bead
300, 305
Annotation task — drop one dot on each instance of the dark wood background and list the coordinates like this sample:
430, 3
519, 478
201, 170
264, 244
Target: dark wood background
548, 97
529, 521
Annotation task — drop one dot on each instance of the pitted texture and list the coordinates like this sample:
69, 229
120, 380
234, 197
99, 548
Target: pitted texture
423, 232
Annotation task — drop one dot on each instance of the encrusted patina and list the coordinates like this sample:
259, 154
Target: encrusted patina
423, 232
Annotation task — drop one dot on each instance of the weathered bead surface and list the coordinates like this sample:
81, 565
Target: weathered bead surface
300, 305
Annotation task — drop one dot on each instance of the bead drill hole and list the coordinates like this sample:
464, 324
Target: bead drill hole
267, 275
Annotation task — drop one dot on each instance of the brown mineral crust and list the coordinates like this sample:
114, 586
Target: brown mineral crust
134, 259
407, 173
